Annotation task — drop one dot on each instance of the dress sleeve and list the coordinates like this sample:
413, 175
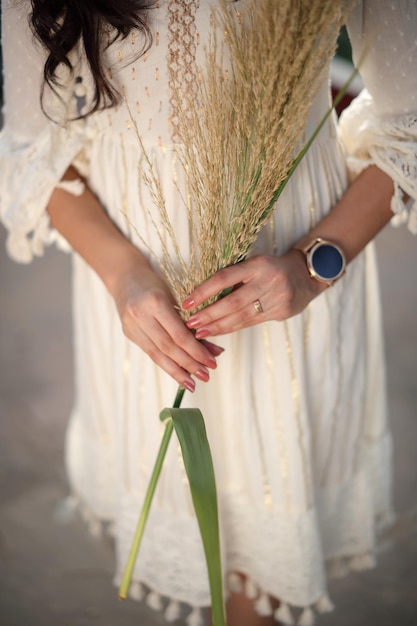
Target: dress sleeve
35, 152
380, 125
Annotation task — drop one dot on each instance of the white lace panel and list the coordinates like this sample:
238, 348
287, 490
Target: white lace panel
181, 54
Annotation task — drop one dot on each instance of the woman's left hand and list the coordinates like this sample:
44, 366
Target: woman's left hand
264, 288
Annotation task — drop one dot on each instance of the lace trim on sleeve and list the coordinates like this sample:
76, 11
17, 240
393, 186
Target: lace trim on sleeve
389, 143
28, 175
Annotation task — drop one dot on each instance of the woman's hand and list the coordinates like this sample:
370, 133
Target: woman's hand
282, 285
144, 301
264, 288
149, 319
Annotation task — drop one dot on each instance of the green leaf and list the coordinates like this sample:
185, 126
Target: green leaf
191, 431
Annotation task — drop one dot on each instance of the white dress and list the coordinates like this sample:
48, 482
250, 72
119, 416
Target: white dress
296, 411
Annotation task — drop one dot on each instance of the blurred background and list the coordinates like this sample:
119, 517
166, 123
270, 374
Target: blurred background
52, 571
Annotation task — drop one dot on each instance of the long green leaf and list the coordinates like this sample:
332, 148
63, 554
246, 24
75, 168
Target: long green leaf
191, 431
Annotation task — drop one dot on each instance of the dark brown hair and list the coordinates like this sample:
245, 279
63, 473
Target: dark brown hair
60, 24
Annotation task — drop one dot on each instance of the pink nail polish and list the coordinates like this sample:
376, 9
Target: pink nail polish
193, 322
188, 303
203, 375
212, 348
211, 363
189, 384
201, 333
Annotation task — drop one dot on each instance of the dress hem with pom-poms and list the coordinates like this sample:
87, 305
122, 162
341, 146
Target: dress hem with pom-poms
286, 614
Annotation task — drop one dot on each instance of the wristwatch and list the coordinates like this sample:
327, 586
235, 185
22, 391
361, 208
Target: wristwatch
325, 260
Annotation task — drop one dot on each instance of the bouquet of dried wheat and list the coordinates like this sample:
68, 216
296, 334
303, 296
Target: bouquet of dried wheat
240, 135
239, 129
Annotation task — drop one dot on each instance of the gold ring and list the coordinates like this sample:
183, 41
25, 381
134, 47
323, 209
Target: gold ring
258, 306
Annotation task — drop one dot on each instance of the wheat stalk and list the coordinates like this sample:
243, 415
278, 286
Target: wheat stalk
239, 131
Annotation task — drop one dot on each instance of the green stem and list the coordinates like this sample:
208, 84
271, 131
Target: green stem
169, 427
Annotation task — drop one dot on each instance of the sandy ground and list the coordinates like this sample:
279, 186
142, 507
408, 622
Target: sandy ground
52, 572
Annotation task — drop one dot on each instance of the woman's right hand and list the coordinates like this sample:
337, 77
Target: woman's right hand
143, 299
149, 319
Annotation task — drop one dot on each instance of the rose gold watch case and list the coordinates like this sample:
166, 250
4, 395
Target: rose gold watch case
309, 251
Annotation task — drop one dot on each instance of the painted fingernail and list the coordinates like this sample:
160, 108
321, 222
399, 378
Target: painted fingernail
212, 348
189, 384
202, 374
188, 303
211, 363
193, 322
201, 333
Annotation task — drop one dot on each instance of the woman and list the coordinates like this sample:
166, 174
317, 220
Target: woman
295, 410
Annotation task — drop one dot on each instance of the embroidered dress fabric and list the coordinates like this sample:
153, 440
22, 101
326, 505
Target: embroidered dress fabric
296, 412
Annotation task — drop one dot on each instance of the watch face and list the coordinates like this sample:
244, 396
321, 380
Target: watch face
327, 261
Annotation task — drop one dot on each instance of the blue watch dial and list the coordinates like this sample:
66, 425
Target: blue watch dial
327, 261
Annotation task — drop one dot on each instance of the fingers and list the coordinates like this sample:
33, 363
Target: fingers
213, 348
247, 282
231, 316
168, 364
267, 288
225, 279
153, 324
259, 289
175, 340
